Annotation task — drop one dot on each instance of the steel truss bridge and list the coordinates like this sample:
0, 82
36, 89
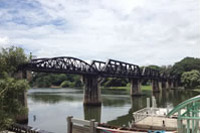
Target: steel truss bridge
94, 73
111, 68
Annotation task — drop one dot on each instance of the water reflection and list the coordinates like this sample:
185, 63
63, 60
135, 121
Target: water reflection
52, 99
48, 108
115, 100
92, 112
54, 96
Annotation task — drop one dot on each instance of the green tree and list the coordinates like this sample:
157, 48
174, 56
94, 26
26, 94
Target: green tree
11, 90
185, 65
166, 69
154, 67
48, 79
67, 84
10, 59
109, 82
191, 79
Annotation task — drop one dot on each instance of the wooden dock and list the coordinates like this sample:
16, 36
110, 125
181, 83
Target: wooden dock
157, 123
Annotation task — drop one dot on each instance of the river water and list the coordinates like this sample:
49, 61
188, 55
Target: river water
49, 108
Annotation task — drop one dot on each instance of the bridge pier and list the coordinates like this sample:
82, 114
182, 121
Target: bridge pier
23, 118
163, 85
135, 87
172, 85
155, 86
92, 92
175, 84
23, 75
160, 85
167, 84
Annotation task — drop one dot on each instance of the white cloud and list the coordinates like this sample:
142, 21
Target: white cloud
137, 31
4, 41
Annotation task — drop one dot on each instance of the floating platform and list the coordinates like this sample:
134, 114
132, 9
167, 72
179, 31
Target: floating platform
157, 123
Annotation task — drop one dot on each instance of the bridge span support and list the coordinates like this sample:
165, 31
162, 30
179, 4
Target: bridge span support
23, 118
135, 87
163, 85
167, 86
160, 85
23, 75
92, 92
172, 84
155, 86
175, 84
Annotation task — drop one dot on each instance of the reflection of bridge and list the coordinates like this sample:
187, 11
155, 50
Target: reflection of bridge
93, 73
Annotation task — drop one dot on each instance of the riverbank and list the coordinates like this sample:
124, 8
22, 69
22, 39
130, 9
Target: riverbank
6, 131
123, 88
143, 88
197, 89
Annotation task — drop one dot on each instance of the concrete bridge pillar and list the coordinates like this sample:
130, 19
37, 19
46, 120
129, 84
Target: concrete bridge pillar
167, 84
160, 85
92, 92
172, 85
23, 118
135, 87
163, 85
175, 84
23, 75
155, 86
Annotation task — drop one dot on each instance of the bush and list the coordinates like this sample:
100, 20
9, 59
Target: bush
11, 100
43, 82
191, 79
114, 82
65, 84
78, 83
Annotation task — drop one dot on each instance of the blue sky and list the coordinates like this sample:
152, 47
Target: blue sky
137, 31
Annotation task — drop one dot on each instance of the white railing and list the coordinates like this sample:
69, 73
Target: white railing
150, 111
90, 125
143, 113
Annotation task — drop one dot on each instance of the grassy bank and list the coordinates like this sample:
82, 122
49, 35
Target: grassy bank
197, 89
143, 87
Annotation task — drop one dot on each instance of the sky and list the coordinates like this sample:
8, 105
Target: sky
142, 32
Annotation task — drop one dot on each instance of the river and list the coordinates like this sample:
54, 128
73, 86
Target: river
49, 108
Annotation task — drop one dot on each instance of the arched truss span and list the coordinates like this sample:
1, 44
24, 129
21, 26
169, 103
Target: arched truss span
61, 65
